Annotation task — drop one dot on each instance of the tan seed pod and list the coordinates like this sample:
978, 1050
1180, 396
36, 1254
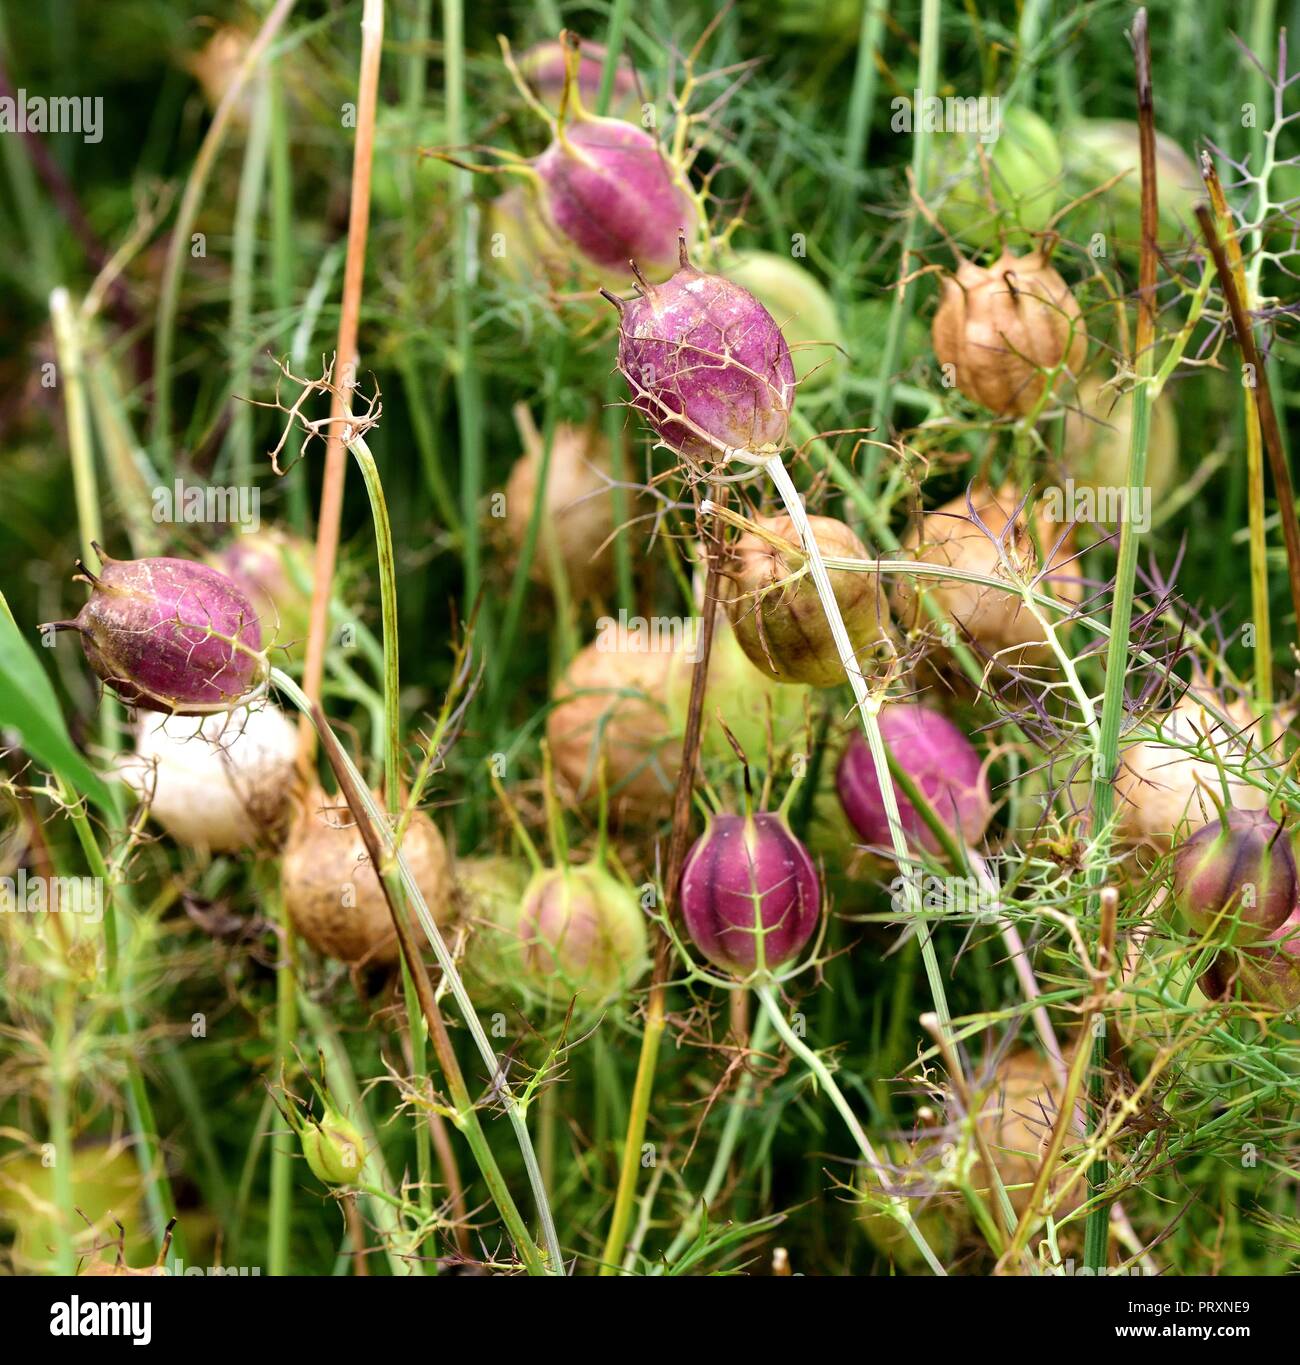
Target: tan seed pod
610, 707
331, 890
577, 520
1098, 424
996, 620
1016, 1119
1163, 794
776, 613
1000, 327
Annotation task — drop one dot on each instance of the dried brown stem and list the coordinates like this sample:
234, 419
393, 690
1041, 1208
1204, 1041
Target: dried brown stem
331, 503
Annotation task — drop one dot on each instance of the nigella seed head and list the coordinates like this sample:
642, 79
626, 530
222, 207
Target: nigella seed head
171, 635
707, 365
750, 896
604, 189
942, 763
1236, 877
581, 933
1002, 327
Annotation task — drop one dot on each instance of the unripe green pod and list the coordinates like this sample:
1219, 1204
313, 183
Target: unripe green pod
334, 1148
1024, 178
1098, 422
581, 932
1096, 150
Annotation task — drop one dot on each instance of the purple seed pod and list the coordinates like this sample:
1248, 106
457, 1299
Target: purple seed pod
938, 758
603, 187
607, 188
707, 365
1266, 974
545, 67
1270, 972
1236, 876
170, 635
749, 882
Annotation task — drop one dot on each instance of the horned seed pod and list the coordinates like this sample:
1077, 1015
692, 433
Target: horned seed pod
1002, 327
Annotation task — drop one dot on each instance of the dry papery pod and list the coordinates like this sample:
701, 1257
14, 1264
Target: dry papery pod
1001, 327
331, 889
577, 518
610, 707
995, 619
624, 700
1019, 1111
1163, 793
776, 613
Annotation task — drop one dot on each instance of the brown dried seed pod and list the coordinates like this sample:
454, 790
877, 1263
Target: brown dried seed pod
610, 704
1001, 326
774, 607
578, 510
1016, 1120
331, 890
995, 619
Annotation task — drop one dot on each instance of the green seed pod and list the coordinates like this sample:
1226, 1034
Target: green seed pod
1023, 179
334, 1148
1096, 150
581, 932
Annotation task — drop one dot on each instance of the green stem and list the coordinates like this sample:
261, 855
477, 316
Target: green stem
821, 1073
282, 1144
868, 708
60, 1118
186, 213
900, 310
398, 1244
243, 267
618, 12
468, 387
737, 1109
451, 976
642, 1089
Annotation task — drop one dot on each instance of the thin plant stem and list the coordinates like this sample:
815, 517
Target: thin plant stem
243, 272
469, 396
465, 1113
186, 214
737, 1108
1106, 753
900, 310
343, 1082
451, 975
282, 1145
618, 12
868, 708
656, 1004
345, 360
821, 1073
